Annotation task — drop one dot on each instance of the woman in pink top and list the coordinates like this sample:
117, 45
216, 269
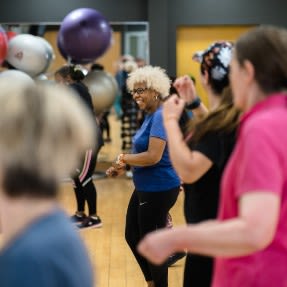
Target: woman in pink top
249, 239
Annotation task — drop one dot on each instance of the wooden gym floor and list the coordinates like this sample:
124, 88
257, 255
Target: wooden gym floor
113, 262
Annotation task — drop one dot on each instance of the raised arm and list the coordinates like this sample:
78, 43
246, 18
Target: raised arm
186, 90
190, 165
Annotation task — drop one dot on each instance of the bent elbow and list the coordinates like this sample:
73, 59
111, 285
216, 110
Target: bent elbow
258, 242
154, 159
187, 177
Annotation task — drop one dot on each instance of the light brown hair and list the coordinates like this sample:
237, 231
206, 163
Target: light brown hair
44, 132
266, 48
224, 118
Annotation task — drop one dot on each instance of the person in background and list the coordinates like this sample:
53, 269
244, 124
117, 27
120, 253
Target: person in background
130, 121
246, 239
97, 67
84, 186
120, 77
156, 182
140, 62
41, 127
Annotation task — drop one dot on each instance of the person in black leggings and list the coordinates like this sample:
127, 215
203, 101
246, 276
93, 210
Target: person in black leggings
156, 182
84, 187
144, 216
200, 149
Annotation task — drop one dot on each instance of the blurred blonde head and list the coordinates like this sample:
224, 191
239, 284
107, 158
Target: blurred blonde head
154, 77
130, 66
44, 131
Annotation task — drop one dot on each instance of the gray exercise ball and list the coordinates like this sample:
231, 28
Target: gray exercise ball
103, 89
28, 54
16, 76
50, 56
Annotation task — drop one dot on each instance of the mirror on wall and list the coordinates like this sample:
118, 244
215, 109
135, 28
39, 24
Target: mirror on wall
127, 38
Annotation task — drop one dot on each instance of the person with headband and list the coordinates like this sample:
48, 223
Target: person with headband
156, 182
249, 235
41, 127
200, 154
84, 187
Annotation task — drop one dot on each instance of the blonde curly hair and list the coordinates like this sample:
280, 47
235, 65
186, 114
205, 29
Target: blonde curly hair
154, 77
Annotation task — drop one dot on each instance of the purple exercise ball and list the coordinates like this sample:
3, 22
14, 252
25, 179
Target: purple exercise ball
84, 36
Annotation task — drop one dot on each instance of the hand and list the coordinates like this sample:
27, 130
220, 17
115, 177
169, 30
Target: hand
156, 246
114, 172
172, 108
185, 88
120, 162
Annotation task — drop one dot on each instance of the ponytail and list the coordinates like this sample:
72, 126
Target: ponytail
225, 118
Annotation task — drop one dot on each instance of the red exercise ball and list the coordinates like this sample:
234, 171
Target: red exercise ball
10, 34
3, 45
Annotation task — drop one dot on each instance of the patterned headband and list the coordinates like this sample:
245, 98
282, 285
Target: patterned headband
216, 59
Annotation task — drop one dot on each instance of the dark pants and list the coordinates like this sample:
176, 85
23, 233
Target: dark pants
147, 211
198, 269
84, 187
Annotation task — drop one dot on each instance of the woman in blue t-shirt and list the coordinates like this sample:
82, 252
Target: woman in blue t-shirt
156, 182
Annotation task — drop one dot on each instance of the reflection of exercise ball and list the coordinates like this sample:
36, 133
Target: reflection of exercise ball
84, 35
10, 34
17, 76
41, 77
103, 88
49, 53
3, 45
28, 54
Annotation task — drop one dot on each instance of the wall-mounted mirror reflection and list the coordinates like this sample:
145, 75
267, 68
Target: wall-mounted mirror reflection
104, 56
127, 39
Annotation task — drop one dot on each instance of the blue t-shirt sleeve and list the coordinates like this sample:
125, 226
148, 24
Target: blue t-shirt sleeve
157, 129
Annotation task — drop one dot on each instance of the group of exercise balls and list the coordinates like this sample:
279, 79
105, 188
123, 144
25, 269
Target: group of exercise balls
84, 36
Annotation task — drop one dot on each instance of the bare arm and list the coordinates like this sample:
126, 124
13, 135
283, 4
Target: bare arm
150, 157
251, 231
186, 90
190, 165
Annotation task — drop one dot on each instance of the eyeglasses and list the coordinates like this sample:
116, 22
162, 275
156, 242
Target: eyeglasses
138, 91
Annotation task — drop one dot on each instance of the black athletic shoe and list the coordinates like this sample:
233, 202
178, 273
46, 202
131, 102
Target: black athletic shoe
77, 218
174, 258
91, 222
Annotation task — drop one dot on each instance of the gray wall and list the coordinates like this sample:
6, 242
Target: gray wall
55, 10
164, 21
164, 16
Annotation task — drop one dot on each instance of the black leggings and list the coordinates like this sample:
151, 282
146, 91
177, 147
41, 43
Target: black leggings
198, 269
147, 211
83, 184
